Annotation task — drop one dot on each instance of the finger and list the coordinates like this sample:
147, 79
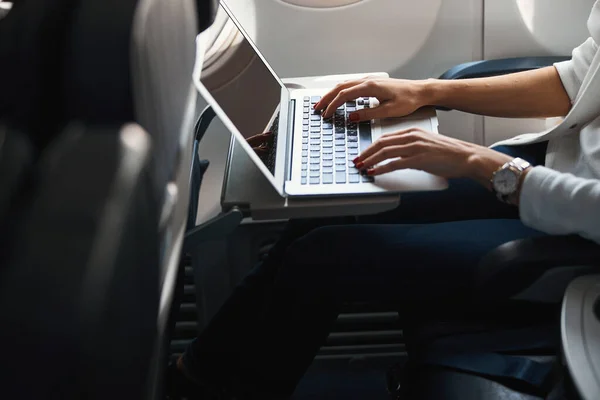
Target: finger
390, 139
258, 139
385, 110
402, 163
365, 89
254, 141
340, 97
389, 152
326, 99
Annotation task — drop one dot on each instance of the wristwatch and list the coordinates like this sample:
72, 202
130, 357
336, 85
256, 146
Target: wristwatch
505, 181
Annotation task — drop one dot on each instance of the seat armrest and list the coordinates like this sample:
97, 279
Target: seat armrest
514, 266
503, 66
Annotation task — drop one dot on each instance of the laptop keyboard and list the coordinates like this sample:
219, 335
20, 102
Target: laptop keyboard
330, 144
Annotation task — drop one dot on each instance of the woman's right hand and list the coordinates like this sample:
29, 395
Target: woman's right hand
397, 98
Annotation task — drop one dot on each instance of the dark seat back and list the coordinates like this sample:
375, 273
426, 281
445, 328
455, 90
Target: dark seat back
31, 44
16, 158
103, 62
82, 283
79, 297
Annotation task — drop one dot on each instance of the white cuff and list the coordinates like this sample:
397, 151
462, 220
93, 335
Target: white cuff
569, 79
531, 196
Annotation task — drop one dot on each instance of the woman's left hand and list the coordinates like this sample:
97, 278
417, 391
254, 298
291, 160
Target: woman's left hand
261, 143
434, 153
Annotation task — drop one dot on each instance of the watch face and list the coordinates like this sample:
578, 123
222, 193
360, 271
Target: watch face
505, 181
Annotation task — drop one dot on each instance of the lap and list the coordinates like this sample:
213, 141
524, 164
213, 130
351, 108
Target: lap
464, 199
385, 257
395, 262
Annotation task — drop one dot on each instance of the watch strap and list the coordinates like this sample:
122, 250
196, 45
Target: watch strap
520, 164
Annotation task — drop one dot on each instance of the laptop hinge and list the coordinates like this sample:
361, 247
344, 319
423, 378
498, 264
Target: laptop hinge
290, 139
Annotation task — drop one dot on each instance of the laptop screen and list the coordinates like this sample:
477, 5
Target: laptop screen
250, 97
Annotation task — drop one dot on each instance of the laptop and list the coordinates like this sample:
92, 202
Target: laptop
299, 152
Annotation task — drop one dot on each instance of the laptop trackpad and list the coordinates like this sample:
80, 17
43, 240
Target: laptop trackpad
391, 125
408, 180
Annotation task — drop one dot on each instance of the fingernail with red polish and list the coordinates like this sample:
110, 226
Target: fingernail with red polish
354, 117
359, 165
371, 171
357, 159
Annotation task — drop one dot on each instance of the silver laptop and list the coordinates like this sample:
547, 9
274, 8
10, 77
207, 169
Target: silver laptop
298, 151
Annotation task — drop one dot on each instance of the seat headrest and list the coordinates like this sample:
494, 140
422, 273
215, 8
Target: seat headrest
37, 39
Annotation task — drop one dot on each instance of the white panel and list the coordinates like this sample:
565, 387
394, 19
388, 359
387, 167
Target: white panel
521, 28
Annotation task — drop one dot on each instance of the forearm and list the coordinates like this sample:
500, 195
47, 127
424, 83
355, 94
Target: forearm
531, 94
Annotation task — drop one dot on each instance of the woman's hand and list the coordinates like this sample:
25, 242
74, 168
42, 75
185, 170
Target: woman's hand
397, 97
434, 153
261, 143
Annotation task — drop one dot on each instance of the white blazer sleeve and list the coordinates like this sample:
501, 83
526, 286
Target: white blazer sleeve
560, 203
573, 71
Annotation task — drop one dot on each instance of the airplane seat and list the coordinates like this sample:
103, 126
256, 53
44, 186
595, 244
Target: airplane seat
525, 279
30, 71
510, 348
16, 159
496, 360
79, 295
104, 93
138, 57
123, 64
16, 164
105, 62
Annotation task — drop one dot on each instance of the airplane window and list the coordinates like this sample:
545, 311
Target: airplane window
321, 3
541, 17
224, 57
527, 10
222, 35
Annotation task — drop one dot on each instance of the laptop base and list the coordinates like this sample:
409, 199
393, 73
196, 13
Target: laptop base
246, 188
